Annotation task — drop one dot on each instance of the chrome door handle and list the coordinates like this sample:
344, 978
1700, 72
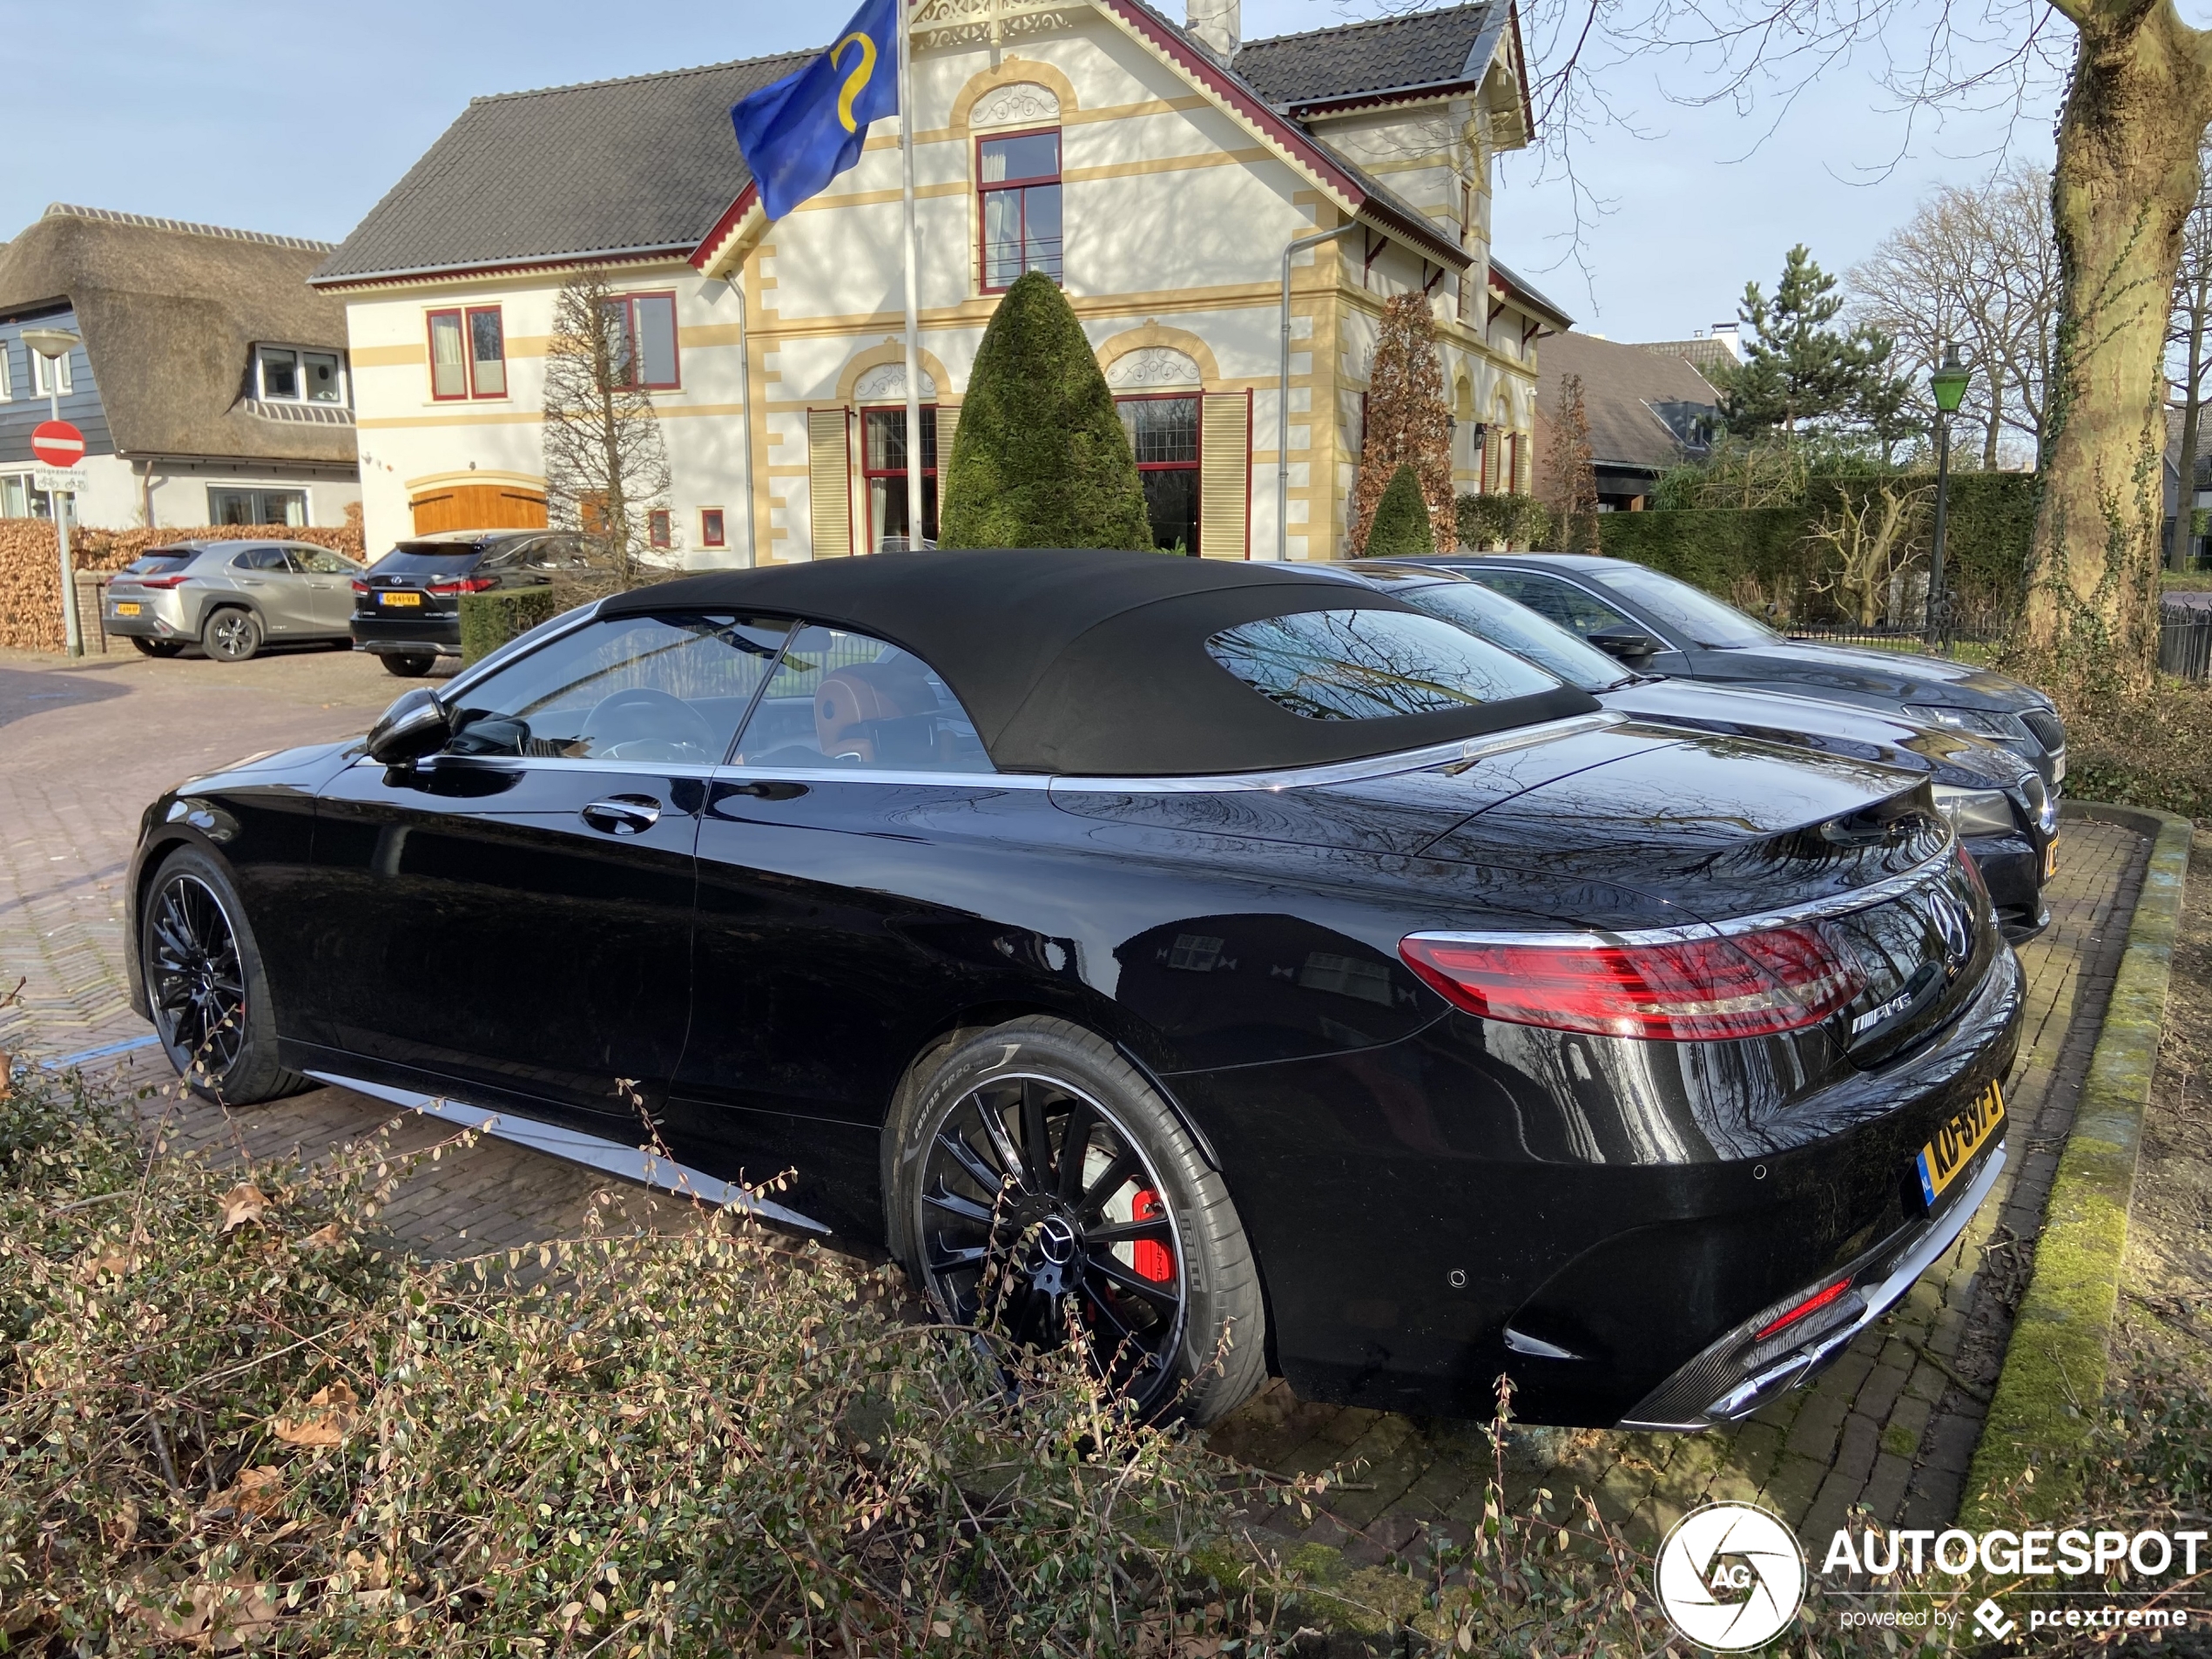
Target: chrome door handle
623, 814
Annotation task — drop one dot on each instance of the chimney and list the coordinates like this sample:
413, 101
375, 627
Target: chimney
1214, 22
1725, 332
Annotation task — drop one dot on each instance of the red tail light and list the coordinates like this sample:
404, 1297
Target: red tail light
1813, 1304
1150, 1256
466, 584
165, 582
1748, 985
362, 588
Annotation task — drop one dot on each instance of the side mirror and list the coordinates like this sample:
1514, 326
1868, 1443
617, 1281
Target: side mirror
414, 726
1633, 647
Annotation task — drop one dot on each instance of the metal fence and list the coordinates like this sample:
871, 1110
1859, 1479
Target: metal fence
1895, 638
2185, 641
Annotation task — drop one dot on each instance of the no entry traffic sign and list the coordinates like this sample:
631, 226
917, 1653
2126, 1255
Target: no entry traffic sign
58, 444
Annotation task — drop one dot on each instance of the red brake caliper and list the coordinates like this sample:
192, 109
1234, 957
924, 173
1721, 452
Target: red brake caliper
1153, 1260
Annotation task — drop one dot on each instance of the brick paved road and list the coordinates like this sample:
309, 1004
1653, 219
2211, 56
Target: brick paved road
1892, 1425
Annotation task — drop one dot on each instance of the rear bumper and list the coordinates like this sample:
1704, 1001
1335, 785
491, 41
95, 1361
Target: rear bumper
1718, 1387
403, 635
2012, 869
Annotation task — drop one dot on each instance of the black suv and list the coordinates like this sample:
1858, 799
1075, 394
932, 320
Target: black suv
406, 607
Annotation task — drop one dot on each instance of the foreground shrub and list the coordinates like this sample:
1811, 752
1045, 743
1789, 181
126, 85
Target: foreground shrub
1401, 525
228, 1414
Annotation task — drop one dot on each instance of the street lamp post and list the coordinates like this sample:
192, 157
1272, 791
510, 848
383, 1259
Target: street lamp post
55, 345
1949, 385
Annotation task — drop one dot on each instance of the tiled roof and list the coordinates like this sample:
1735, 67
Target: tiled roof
1700, 354
1622, 386
648, 162
1425, 49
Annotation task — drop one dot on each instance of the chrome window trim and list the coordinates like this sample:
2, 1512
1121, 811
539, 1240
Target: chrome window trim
1840, 903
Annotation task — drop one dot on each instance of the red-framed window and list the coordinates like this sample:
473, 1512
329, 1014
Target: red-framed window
1018, 175
713, 530
468, 352
883, 461
645, 352
1164, 435
657, 528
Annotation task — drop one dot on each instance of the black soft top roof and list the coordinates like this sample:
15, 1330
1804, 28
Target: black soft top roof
1092, 661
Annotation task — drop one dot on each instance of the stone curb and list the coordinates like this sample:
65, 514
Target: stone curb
2055, 1363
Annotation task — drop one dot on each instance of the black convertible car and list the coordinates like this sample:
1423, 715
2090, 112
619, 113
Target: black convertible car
1259, 971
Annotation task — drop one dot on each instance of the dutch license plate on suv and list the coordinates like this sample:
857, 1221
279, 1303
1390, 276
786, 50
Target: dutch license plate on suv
126, 608
397, 597
1954, 1145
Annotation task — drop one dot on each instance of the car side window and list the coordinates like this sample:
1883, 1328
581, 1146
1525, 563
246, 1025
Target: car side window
843, 701
316, 561
261, 558
1568, 606
669, 688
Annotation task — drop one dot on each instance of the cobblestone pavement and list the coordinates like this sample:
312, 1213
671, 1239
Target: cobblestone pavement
1892, 1425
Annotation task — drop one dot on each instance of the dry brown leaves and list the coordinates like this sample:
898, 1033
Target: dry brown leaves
243, 1204
329, 1416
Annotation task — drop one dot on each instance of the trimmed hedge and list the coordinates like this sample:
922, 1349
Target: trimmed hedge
1724, 548
1401, 527
489, 620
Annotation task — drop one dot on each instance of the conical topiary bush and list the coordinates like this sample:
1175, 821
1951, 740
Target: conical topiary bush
1401, 527
1039, 458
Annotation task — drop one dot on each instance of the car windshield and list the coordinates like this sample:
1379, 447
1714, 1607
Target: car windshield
1372, 665
1514, 627
160, 560
1701, 618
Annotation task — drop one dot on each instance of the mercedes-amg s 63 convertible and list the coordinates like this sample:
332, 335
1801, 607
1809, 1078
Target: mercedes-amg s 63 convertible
1258, 972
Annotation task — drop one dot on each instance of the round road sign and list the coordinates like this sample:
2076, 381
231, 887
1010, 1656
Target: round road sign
58, 444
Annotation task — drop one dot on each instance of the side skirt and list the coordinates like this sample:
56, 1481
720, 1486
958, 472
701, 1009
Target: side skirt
574, 1146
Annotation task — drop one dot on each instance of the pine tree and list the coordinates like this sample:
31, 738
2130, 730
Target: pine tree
1409, 423
1039, 458
1798, 370
1569, 487
1401, 527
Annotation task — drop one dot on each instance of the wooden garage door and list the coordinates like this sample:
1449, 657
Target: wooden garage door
478, 507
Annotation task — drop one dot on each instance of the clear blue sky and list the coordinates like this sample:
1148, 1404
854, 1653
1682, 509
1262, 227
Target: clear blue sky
295, 118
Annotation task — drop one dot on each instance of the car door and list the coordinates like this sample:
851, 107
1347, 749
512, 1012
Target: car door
328, 580
514, 913
859, 789
279, 593
1578, 611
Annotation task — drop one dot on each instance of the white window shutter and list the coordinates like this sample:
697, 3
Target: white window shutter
1225, 475
829, 473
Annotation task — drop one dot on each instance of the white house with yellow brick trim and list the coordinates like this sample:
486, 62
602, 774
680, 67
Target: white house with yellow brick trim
1157, 170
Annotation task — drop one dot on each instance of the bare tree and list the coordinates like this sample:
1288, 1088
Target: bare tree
2192, 354
606, 468
1975, 267
1873, 538
1408, 422
2138, 99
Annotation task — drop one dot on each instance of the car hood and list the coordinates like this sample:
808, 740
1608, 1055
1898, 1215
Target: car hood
1899, 677
308, 766
1854, 732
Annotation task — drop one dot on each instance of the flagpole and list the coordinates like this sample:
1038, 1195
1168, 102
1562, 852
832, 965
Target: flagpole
914, 450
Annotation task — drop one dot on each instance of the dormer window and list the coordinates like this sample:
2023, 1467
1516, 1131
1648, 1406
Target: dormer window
292, 374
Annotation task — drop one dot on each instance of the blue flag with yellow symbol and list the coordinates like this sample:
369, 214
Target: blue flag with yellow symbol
801, 133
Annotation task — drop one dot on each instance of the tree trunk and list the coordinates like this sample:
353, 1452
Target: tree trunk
2177, 555
2128, 175
1996, 426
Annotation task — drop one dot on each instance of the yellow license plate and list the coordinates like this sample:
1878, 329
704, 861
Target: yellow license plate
1957, 1142
125, 607
2051, 859
399, 599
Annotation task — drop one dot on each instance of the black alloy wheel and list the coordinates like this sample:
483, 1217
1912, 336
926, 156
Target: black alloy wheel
408, 665
1047, 1192
205, 984
157, 647
193, 978
232, 634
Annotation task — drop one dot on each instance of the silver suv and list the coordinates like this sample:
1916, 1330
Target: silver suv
230, 598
